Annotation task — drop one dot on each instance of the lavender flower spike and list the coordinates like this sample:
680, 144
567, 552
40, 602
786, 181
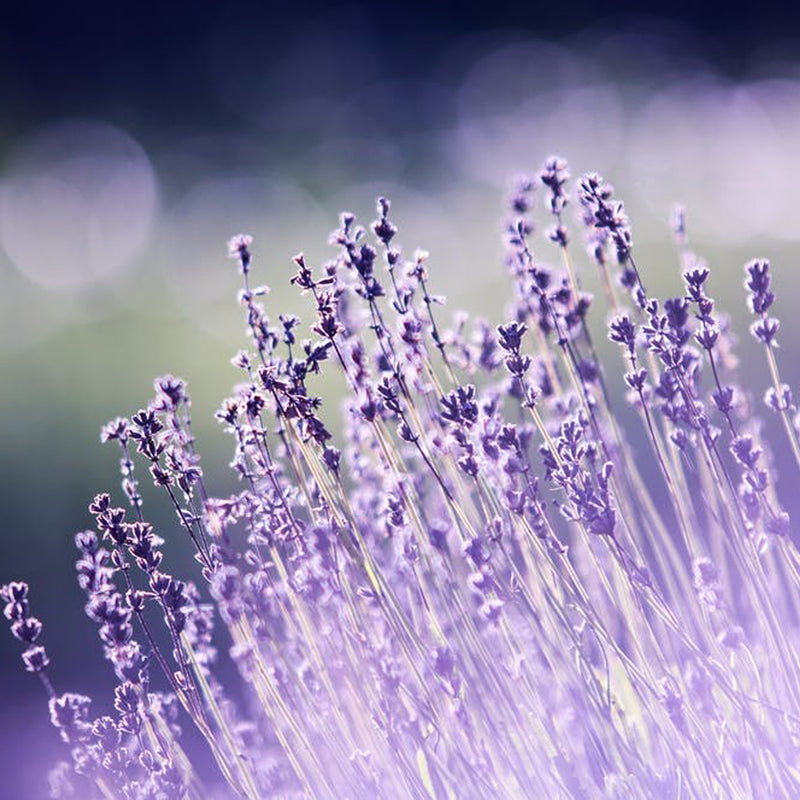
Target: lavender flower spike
485, 578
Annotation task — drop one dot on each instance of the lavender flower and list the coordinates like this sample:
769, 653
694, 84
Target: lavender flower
486, 581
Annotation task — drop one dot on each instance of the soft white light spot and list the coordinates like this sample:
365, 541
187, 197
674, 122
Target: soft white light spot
77, 204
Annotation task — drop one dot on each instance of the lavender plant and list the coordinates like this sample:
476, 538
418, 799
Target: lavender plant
468, 589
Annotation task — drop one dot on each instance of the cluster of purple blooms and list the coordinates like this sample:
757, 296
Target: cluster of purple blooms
480, 584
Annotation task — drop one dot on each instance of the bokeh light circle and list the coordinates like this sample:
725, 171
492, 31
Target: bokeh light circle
77, 204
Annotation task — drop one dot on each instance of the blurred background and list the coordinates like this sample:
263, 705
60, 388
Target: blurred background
135, 140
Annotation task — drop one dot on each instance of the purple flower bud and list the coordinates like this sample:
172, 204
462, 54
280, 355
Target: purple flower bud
636, 380
69, 713
35, 659
779, 525
226, 589
382, 228
116, 430
707, 337
554, 176
332, 458
778, 401
510, 336
239, 248
405, 433
596, 198
444, 662
622, 331
15, 591
723, 399
757, 284
105, 731
745, 451
765, 330
126, 699
732, 637
460, 407
673, 704
678, 224
27, 630
492, 610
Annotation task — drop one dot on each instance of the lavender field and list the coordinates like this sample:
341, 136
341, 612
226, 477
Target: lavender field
479, 476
